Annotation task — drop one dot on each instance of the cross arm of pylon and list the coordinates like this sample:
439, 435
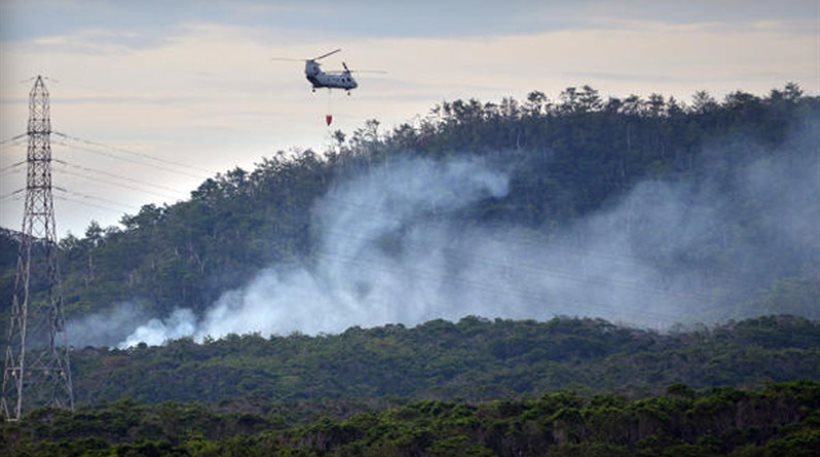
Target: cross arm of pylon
13, 139
11, 194
12, 166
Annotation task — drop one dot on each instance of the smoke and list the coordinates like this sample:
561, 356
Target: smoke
395, 246
180, 323
105, 328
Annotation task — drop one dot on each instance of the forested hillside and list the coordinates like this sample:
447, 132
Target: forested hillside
778, 420
566, 158
647, 211
474, 359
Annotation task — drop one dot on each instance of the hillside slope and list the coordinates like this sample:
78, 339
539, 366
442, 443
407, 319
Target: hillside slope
779, 420
641, 169
474, 359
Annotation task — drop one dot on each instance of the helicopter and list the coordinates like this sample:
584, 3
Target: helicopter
331, 80
320, 79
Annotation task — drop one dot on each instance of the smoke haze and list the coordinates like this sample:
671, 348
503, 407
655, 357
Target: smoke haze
394, 246
106, 328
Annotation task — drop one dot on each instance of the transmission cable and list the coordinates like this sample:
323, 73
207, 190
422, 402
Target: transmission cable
13, 139
84, 170
94, 205
126, 159
114, 175
11, 194
140, 154
93, 197
4, 170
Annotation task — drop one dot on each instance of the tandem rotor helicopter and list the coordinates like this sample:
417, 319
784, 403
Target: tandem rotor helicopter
320, 79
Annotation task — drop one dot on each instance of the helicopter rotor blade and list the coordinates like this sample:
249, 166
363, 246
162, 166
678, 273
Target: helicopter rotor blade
340, 72
345, 65
326, 55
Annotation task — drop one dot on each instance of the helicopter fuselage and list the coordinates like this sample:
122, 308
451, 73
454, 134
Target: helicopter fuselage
335, 80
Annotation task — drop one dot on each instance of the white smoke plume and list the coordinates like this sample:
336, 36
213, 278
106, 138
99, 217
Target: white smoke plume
181, 323
105, 328
394, 248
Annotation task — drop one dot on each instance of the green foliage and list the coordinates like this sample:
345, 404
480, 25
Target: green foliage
474, 359
782, 422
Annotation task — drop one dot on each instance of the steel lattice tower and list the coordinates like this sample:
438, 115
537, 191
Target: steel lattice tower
37, 371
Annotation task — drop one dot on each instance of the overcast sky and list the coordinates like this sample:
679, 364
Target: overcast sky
192, 83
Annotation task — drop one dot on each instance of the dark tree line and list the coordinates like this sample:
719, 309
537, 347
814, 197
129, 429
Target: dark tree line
474, 359
778, 420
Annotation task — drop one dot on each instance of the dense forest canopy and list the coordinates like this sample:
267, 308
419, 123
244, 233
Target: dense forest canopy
474, 359
566, 387
565, 161
778, 420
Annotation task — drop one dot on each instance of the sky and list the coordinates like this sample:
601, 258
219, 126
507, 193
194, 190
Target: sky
153, 97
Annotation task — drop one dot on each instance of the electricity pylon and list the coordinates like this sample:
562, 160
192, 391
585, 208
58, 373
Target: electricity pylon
37, 371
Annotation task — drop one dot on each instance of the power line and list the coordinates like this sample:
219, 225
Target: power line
125, 159
140, 154
116, 184
11, 194
93, 205
13, 139
16, 198
104, 200
11, 167
114, 175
